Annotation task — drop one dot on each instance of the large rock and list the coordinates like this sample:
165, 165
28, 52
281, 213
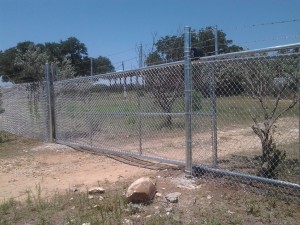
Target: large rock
141, 190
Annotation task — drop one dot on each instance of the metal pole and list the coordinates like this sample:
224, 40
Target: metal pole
299, 112
139, 101
214, 117
188, 100
214, 106
216, 40
91, 66
50, 98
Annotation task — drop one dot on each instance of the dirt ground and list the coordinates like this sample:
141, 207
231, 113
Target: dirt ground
26, 164
57, 167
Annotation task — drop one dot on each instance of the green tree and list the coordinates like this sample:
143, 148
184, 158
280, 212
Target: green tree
7, 66
32, 64
102, 65
76, 51
170, 48
166, 86
205, 39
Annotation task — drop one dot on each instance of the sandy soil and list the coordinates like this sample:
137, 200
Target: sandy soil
56, 167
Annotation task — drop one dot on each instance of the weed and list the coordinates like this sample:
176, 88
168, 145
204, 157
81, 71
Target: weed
6, 206
5, 137
253, 208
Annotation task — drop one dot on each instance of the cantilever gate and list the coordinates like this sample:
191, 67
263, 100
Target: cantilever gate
208, 121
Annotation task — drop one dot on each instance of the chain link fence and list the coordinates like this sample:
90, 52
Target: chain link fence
255, 115
25, 110
244, 114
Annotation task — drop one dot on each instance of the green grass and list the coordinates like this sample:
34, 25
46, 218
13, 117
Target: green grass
231, 207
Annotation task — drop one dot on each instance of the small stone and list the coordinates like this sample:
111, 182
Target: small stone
230, 212
173, 197
96, 190
127, 221
86, 224
73, 189
158, 194
208, 197
73, 207
169, 210
148, 216
90, 197
101, 198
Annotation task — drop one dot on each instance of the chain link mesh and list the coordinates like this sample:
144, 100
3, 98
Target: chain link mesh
25, 110
245, 113
257, 114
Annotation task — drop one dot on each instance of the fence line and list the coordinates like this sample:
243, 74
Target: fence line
234, 114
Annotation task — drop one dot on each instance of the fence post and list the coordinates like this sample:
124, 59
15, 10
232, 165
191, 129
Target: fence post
214, 117
139, 100
214, 106
299, 112
216, 40
50, 99
188, 100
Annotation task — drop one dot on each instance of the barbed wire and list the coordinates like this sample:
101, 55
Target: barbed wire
265, 24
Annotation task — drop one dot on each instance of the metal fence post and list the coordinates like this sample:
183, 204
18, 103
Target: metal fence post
214, 105
139, 100
188, 99
213, 98
299, 112
50, 99
216, 40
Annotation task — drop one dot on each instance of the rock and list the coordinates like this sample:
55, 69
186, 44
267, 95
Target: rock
158, 194
209, 197
169, 210
73, 189
96, 190
173, 197
90, 197
141, 190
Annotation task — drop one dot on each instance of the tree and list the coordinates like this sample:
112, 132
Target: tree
7, 66
63, 70
205, 39
76, 51
32, 64
167, 86
102, 65
170, 48
26, 61
269, 81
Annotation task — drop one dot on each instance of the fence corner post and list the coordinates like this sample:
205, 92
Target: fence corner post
188, 100
50, 101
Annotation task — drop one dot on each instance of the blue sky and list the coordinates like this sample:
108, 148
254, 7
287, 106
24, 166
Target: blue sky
114, 28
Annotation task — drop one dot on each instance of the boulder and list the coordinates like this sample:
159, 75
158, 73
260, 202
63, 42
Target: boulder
141, 190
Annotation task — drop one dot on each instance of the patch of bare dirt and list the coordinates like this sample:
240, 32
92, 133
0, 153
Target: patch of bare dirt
57, 167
